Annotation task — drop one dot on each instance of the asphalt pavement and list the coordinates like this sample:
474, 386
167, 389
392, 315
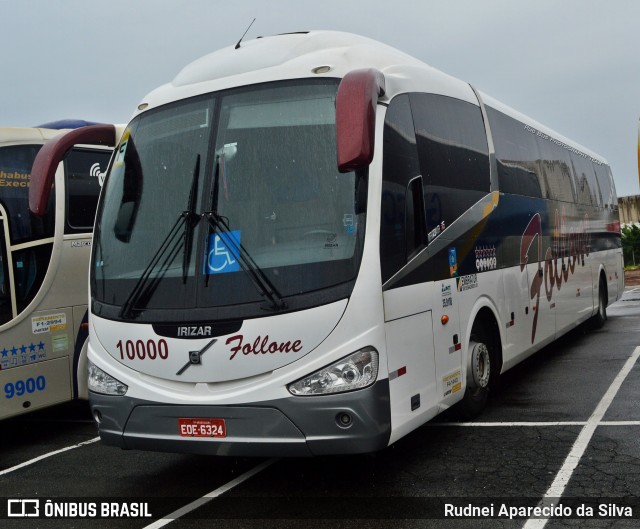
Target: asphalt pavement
561, 432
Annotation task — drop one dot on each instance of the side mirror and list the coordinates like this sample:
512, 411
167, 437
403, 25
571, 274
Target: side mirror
356, 117
125, 220
52, 153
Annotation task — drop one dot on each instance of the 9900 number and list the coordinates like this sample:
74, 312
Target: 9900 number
141, 349
20, 387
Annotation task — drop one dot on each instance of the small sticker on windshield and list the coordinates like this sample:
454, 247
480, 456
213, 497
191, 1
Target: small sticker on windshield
348, 220
222, 251
331, 242
122, 149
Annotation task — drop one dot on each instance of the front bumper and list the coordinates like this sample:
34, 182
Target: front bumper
294, 426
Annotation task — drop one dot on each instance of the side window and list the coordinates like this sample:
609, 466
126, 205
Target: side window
603, 175
6, 311
82, 173
533, 164
519, 171
29, 268
587, 189
15, 177
556, 170
402, 216
453, 154
414, 218
27, 262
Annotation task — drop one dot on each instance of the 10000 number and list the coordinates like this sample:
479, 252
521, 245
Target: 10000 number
140, 349
20, 387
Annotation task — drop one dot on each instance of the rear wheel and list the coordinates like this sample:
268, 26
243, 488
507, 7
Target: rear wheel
481, 374
600, 317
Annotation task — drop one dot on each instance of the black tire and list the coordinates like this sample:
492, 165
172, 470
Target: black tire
475, 398
600, 317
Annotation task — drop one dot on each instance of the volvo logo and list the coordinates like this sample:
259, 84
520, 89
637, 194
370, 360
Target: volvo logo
195, 357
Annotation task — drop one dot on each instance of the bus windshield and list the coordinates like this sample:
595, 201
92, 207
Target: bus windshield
259, 160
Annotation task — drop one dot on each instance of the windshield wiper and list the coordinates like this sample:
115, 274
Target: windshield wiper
262, 283
191, 221
169, 249
218, 223
143, 285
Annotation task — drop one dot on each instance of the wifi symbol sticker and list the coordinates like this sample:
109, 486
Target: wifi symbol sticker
95, 171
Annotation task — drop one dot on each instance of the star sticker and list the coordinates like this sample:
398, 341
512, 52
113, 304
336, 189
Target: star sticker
32, 347
14, 351
23, 349
5, 352
41, 346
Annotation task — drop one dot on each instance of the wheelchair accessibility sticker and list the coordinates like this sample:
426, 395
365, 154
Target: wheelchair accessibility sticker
222, 252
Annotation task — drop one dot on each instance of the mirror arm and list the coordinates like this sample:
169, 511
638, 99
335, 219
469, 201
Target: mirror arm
52, 153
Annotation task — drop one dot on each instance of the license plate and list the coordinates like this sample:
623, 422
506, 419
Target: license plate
202, 427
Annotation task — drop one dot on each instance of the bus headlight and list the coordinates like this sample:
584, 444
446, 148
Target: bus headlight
101, 382
355, 371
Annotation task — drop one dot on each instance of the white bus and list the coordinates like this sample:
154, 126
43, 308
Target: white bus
314, 243
43, 269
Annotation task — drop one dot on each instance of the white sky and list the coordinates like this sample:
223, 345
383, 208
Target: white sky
569, 64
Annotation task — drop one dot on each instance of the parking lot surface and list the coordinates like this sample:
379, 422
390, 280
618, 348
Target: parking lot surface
562, 429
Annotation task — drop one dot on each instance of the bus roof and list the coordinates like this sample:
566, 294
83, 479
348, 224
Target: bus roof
27, 134
299, 55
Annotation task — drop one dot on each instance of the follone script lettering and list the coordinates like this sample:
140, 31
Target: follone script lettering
261, 346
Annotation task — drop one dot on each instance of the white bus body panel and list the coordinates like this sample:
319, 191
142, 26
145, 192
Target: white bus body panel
260, 346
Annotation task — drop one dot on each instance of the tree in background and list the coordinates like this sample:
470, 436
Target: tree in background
631, 245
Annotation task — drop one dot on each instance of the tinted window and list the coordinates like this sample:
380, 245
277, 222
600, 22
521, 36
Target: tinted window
29, 268
517, 156
400, 167
534, 164
603, 175
5, 294
83, 169
587, 189
15, 177
556, 170
416, 234
453, 154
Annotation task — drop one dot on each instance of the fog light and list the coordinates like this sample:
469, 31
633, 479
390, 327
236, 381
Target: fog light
344, 419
